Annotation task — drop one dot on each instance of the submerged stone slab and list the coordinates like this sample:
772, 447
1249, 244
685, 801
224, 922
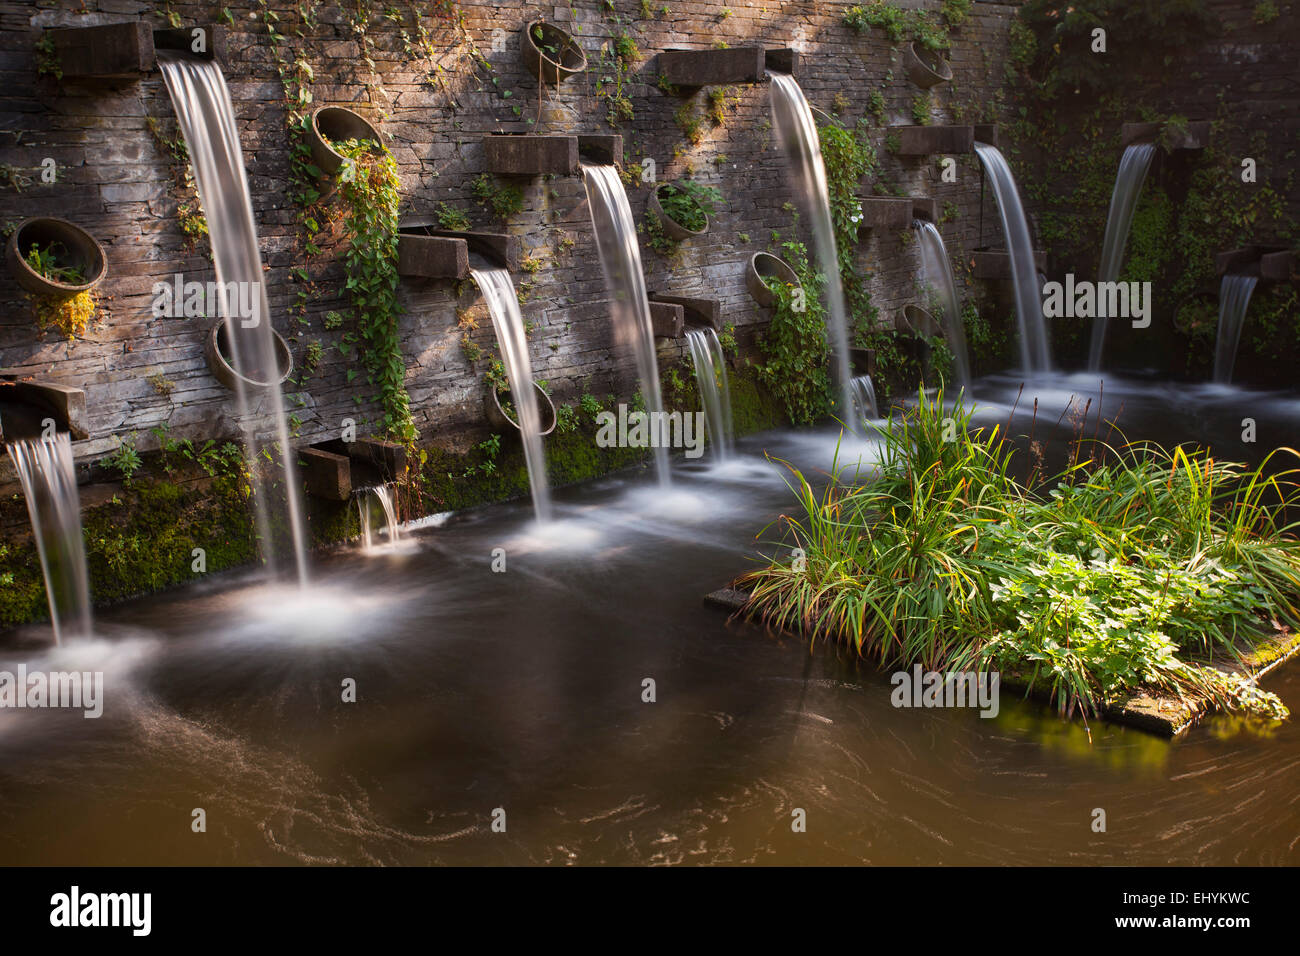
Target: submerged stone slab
691, 68
698, 311
929, 140
527, 154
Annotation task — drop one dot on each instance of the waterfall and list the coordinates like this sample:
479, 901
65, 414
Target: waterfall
715, 395
207, 121
1133, 168
50, 486
797, 134
864, 397
1234, 298
1035, 343
381, 494
503, 305
936, 271
620, 259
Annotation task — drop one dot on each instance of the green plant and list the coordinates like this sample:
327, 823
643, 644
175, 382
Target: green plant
921, 108
898, 24
451, 218
369, 186
1135, 567
689, 204
161, 383
689, 122
51, 262
794, 346
1265, 12
47, 58
721, 99
125, 459
591, 405
505, 200
566, 419
727, 339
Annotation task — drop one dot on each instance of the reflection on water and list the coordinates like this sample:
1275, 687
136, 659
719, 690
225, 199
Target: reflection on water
478, 688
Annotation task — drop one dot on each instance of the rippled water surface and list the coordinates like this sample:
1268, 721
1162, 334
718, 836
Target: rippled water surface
522, 690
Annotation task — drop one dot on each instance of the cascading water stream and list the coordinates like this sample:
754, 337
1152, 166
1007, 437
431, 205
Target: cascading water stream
207, 121
936, 271
864, 397
1133, 166
503, 305
715, 395
797, 134
620, 259
384, 497
1035, 342
1234, 299
50, 486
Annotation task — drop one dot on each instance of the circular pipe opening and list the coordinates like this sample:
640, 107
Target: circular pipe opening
334, 124
671, 226
501, 419
71, 247
216, 348
550, 54
926, 68
763, 266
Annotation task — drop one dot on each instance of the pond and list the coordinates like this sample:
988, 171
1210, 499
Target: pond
522, 689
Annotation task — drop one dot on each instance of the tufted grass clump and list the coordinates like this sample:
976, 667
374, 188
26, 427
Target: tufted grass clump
1128, 571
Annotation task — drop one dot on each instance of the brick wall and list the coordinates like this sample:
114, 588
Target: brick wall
115, 182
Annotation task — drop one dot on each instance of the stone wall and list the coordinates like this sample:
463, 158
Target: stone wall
115, 181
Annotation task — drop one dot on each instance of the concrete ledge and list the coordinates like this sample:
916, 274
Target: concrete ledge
1248, 260
125, 50
884, 212
1278, 266
784, 60
692, 68
432, 257
325, 474
500, 248
927, 209
698, 311
668, 320
528, 154
66, 404
930, 140
1196, 135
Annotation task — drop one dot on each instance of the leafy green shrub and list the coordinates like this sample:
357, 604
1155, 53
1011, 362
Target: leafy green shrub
1134, 567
